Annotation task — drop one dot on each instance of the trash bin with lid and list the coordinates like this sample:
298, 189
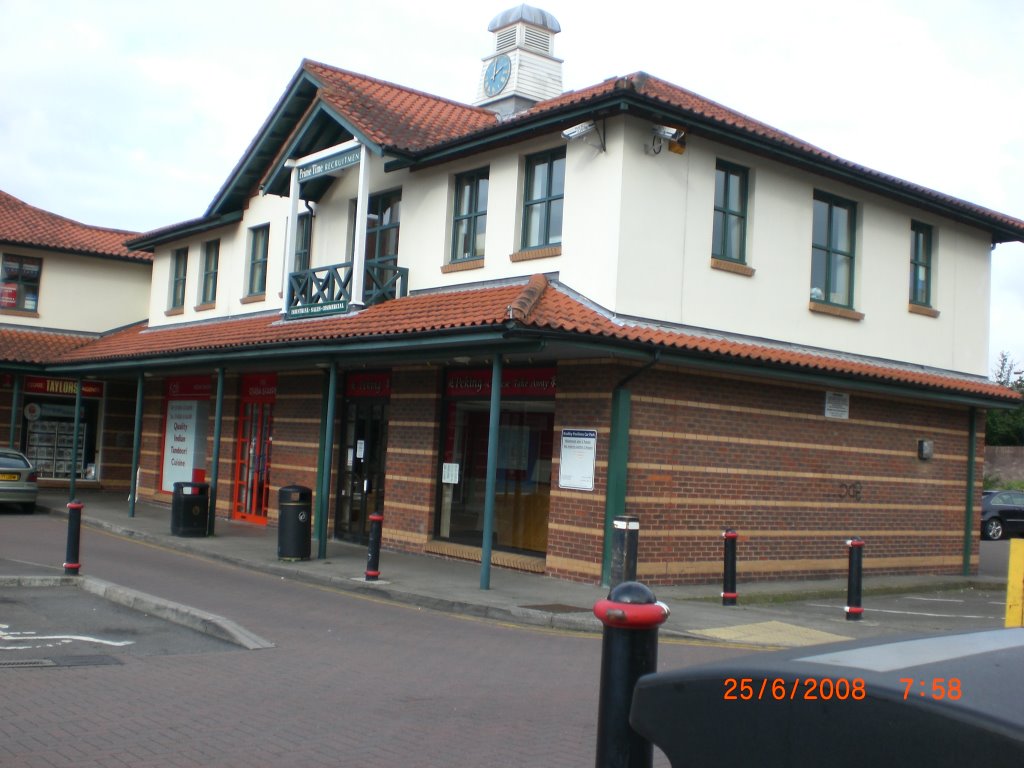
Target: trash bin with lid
190, 509
295, 504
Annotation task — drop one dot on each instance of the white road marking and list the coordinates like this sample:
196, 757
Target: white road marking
32, 637
869, 609
935, 599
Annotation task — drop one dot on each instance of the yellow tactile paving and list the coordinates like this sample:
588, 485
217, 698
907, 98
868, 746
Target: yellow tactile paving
771, 633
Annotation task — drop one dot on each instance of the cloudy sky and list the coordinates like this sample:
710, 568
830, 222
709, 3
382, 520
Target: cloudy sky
131, 114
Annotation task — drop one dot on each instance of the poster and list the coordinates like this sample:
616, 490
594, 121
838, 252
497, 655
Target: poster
578, 459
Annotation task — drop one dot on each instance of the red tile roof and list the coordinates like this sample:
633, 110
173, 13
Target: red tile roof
26, 225
26, 345
394, 116
533, 306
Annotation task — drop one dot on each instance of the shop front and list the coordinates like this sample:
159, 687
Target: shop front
525, 441
186, 423
48, 427
253, 442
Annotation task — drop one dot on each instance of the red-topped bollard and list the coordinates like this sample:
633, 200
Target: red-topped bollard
631, 616
854, 579
729, 536
373, 551
71, 564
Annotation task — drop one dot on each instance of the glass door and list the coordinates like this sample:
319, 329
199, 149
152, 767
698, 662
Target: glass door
364, 447
252, 462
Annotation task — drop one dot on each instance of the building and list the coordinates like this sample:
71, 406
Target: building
502, 325
62, 284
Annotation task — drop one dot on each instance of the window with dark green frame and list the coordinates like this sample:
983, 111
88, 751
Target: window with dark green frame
303, 241
211, 265
730, 224
545, 192
469, 226
382, 226
19, 282
920, 264
832, 250
259, 248
179, 268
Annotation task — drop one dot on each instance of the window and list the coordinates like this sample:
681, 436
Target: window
382, 224
730, 224
211, 264
832, 250
179, 267
19, 288
469, 229
303, 241
259, 245
920, 264
545, 190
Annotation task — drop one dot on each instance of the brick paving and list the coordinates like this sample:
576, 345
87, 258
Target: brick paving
351, 681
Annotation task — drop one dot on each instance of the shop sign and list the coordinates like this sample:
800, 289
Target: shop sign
837, 405
577, 460
364, 384
515, 382
41, 385
189, 388
179, 442
328, 165
259, 387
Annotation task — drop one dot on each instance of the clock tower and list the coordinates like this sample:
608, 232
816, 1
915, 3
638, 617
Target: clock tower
522, 69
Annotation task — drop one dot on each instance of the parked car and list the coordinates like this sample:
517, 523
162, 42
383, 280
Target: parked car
17, 480
1002, 514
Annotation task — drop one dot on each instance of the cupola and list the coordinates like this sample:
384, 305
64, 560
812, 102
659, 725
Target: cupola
522, 69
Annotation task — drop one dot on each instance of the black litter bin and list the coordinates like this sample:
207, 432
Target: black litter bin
295, 504
190, 509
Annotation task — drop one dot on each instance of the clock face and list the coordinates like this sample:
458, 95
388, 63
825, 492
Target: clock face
496, 75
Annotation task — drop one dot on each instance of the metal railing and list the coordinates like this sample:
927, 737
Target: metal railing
328, 290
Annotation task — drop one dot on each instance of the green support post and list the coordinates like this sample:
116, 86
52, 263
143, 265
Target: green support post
15, 409
136, 445
618, 456
218, 418
492, 473
73, 473
325, 479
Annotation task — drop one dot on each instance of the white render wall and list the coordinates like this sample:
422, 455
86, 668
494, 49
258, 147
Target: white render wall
637, 241
86, 293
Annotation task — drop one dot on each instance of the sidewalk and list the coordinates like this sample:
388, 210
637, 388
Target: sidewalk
769, 613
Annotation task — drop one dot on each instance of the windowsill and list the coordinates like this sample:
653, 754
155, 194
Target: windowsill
834, 311
205, 307
918, 309
174, 311
19, 312
536, 253
461, 265
736, 267
256, 297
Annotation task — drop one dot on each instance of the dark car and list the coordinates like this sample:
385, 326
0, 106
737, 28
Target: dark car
17, 480
1002, 514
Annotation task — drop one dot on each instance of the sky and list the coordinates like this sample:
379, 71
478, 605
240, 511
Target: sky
132, 114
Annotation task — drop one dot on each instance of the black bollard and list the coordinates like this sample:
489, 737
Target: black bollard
71, 564
625, 538
373, 554
631, 616
854, 612
729, 571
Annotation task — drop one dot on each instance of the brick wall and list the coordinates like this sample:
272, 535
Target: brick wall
710, 452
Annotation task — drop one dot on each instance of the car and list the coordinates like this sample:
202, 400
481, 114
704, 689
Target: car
1002, 514
17, 480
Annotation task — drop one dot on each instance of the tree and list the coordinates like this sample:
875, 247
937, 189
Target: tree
1006, 426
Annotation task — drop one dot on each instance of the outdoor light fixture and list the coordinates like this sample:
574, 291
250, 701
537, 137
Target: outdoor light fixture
676, 138
925, 449
582, 131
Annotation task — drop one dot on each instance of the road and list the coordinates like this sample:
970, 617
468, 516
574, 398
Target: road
350, 681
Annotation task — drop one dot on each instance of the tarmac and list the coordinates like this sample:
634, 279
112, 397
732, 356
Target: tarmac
768, 614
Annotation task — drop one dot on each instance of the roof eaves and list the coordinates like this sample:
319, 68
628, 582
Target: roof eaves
164, 235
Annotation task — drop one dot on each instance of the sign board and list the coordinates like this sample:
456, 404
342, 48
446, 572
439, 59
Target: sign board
328, 165
450, 473
515, 382
321, 308
41, 385
578, 459
837, 405
179, 442
363, 384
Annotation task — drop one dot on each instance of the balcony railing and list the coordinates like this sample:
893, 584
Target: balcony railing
328, 290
